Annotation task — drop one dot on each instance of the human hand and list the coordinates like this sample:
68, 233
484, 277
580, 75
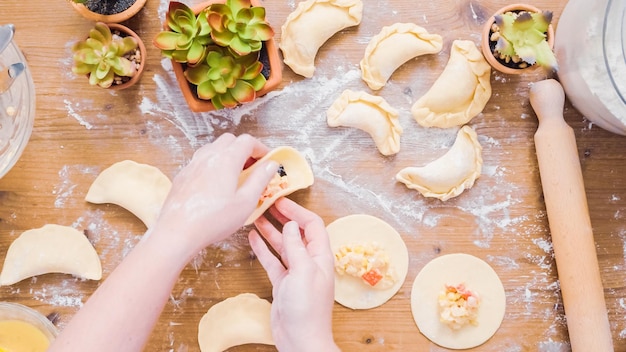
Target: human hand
303, 283
205, 203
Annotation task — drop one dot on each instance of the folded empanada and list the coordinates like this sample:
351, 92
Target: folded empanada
392, 47
310, 25
371, 114
452, 173
461, 91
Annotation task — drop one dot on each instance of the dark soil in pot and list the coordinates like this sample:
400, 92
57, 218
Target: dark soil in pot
108, 7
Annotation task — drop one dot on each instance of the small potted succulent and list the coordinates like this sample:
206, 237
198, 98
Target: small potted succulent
223, 53
519, 37
113, 56
108, 11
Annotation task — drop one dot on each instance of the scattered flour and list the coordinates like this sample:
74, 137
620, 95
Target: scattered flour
64, 190
71, 111
336, 165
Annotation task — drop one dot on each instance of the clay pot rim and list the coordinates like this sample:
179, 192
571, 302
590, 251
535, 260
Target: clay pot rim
114, 18
142, 49
200, 105
484, 43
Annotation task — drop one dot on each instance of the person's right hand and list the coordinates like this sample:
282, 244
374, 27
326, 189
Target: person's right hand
303, 283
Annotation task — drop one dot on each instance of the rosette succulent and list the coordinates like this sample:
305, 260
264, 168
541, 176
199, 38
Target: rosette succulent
226, 79
239, 26
102, 56
521, 36
187, 37
216, 50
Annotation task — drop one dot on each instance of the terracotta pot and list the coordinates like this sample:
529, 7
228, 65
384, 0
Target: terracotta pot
115, 18
486, 34
273, 81
142, 51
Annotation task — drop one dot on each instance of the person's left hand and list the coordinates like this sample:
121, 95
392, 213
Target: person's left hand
205, 204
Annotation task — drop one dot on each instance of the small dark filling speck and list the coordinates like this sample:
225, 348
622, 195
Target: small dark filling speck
281, 171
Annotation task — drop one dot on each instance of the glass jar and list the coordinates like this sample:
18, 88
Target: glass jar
590, 45
17, 105
16, 312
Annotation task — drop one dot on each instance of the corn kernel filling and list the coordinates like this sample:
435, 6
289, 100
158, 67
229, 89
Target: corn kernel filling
458, 306
368, 261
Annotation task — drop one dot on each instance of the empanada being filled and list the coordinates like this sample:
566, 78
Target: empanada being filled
452, 173
461, 91
293, 174
392, 47
371, 114
310, 25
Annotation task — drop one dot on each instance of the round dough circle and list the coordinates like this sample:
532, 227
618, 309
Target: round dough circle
350, 291
454, 269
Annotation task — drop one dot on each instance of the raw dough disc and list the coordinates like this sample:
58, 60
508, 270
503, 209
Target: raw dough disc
454, 269
351, 291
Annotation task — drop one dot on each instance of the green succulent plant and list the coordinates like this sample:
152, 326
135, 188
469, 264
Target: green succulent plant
226, 79
102, 56
521, 36
187, 37
239, 25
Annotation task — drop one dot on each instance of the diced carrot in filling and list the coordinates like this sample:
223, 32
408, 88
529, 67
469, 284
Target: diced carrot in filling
367, 261
372, 277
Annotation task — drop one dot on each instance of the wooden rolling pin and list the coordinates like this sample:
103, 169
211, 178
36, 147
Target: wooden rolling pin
570, 226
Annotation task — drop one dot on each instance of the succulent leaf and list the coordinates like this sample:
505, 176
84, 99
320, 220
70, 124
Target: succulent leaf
545, 56
224, 101
505, 47
187, 37
226, 78
238, 25
243, 92
523, 34
102, 56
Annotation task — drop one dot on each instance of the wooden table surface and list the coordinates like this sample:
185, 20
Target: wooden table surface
80, 130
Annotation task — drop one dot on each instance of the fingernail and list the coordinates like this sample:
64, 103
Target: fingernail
271, 166
291, 227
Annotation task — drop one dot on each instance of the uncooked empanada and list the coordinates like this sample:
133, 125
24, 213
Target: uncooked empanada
294, 174
235, 321
371, 114
50, 249
452, 173
393, 46
138, 188
461, 91
310, 25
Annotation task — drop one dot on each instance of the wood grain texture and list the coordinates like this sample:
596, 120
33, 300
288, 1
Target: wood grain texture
80, 130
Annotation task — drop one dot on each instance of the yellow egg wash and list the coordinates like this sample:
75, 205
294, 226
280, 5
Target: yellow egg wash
20, 336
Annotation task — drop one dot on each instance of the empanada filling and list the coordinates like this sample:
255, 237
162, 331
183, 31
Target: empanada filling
458, 306
368, 261
277, 184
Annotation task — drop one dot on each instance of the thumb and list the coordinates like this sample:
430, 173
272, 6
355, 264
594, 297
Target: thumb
293, 247
253, 187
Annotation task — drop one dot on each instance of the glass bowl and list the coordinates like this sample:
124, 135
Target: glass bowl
14, 311
590, 47
17, 110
